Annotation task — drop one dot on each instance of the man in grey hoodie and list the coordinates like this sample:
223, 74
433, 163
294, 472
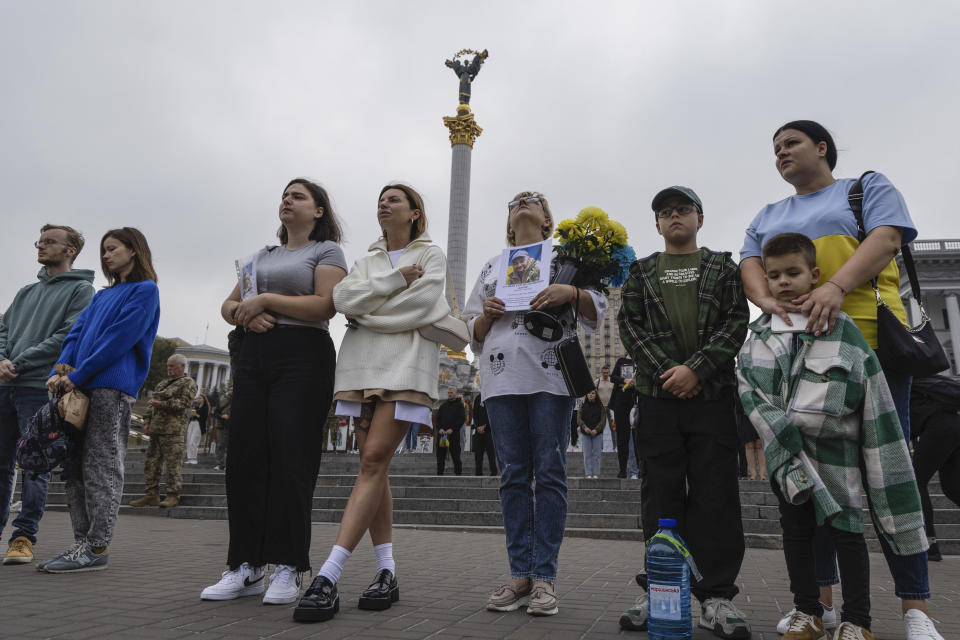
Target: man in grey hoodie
31, 332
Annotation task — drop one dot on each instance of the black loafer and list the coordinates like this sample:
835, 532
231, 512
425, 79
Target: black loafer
320, 602
381, 593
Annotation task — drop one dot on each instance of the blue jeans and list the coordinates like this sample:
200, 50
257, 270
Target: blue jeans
634, 467
910, 577
592, 446
17, 406
530, 435
412, 436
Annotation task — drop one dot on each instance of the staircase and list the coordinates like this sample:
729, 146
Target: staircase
604, 508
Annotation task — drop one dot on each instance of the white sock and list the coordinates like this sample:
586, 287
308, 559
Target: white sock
385, 557
333, 567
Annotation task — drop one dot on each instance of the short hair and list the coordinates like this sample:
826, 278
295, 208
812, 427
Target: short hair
451, 387
787, 243
326, 226
816, 132
74, 237
415, 201
135, 241
177, 358
547, 231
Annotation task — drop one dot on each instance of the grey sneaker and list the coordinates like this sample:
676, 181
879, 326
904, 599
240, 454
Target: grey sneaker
81, 559
723, 618
635, 618
507, 597
63, 554
543, 600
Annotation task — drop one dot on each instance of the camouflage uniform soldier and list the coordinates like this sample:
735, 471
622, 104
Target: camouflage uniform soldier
223, 428
166, 421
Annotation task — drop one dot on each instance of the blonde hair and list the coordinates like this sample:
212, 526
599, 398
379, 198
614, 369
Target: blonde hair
547, 230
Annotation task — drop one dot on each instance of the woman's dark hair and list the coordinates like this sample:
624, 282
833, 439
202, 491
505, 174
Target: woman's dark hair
416, 202
135, 241
816, 132
326, 226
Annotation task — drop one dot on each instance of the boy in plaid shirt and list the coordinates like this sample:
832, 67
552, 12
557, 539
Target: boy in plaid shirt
824, 411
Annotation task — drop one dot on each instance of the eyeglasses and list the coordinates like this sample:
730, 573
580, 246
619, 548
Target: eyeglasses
45, 242
531, 200
683, 210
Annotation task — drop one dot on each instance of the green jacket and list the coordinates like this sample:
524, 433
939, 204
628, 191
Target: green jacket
37, 321
173, 415
822, 412
648, 335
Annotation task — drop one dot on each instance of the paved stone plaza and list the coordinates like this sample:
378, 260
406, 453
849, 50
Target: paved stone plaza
158, 567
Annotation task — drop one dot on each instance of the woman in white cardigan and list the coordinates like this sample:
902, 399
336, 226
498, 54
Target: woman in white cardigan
386, 378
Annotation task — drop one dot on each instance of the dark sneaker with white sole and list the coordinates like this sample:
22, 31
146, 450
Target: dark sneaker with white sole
81, 558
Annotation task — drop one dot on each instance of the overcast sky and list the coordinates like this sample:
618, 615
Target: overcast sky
187, 118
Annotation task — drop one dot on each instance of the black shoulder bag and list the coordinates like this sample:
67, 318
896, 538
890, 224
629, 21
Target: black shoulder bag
914, 351
572, 362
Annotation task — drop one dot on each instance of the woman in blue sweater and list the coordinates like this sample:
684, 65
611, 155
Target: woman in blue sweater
108, 350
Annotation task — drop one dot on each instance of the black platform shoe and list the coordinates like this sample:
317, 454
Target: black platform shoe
383, 591
320, 602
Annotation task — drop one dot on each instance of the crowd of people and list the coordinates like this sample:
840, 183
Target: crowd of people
818, 415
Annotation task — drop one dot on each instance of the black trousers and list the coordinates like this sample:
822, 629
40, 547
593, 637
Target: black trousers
454, 449
938, 449
483, 446
624, 433
690, 474
799, 523
282, 390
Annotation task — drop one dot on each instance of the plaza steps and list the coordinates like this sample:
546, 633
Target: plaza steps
604, 508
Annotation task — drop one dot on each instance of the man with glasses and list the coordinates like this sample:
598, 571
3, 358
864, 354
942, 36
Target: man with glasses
31, 332
683, 319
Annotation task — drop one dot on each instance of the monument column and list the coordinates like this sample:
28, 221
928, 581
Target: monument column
463, 132
953, 315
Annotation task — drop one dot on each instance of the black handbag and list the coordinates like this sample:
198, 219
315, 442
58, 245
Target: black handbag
572, 362
914, 351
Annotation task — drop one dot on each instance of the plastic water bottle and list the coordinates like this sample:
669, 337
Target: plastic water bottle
668, 574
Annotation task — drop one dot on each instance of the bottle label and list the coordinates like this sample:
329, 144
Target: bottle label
664, 601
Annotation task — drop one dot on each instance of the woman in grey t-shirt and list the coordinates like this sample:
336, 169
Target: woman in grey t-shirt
283, 387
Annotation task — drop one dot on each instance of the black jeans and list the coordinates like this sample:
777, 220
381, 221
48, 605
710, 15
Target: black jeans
283, 387
483, 445
690, 474
798, 523
938, 449
454, 448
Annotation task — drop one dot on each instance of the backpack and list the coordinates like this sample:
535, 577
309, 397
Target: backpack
43, 447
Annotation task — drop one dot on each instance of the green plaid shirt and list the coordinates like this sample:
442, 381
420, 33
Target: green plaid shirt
648, 335
822, 409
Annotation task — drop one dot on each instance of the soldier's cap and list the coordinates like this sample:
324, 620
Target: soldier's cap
676, 190
520, 254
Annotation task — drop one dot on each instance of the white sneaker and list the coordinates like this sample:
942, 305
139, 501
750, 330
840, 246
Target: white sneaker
245, 581
633, 476
829, 619
919, 626
284, 585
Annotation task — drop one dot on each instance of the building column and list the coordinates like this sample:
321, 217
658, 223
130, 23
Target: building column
953, 315
915, 314
200, 372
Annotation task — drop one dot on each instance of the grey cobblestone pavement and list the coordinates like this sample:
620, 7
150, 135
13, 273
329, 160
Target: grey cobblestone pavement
158, 567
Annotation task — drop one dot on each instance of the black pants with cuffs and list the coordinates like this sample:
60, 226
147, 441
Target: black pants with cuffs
798, 523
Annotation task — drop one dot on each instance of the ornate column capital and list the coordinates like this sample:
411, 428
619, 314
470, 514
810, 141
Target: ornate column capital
463, 128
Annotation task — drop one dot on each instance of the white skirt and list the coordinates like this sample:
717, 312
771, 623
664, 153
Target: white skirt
405, 411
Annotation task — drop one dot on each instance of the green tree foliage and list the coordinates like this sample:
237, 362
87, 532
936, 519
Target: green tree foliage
162, 349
